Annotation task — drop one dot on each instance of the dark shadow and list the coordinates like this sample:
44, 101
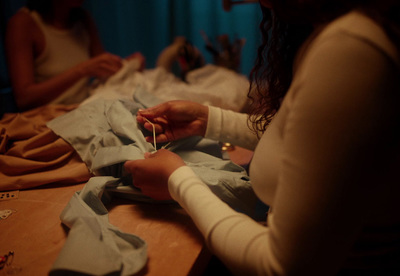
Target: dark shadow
7, 102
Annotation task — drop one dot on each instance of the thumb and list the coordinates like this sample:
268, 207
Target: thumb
148, 155
128, 166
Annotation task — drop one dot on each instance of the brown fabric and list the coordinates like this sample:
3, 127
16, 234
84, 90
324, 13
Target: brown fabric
32, 154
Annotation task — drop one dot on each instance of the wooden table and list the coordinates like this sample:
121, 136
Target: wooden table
35, 234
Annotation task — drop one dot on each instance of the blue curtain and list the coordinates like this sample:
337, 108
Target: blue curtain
149, 26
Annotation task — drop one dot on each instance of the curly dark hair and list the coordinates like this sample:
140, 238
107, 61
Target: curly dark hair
284, 29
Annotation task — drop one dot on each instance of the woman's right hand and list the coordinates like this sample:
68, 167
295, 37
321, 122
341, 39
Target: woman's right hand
175, 120
102, 66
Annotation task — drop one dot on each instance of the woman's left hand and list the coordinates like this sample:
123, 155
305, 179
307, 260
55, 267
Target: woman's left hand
152, 173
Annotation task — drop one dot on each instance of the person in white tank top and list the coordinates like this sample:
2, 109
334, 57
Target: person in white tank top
53, 49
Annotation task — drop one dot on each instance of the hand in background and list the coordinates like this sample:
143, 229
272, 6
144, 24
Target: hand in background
102, 66
175, 120
138, 56
152, 173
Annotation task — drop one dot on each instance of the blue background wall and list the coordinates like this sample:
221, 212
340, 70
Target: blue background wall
150, 25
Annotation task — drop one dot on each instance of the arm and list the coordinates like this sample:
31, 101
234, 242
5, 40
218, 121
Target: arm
180, 119
22, 47
339, 114
230, 126
327, 178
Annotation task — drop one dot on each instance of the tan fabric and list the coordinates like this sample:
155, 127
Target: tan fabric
32, 155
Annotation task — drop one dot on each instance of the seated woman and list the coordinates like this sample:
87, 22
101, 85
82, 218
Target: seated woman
326, 147
53, 50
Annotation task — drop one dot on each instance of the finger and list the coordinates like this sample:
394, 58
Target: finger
160, 121
157, 128
148, 126
155, 111
111, 58
162, 138
147, 155
129, 166
100, 72
139, 118
133, 165
111, 68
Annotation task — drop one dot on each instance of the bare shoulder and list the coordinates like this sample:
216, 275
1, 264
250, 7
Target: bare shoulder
24, 33
21, 21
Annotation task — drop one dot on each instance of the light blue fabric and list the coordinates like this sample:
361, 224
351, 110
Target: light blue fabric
94, 246
102, 126
105, 134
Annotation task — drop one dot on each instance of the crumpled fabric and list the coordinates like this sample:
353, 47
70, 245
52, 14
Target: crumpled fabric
210, 85
94, 246
32, 155
105, 134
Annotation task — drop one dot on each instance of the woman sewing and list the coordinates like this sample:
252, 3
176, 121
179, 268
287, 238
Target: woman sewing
326, 145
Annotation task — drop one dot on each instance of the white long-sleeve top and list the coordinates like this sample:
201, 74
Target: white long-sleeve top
327, 164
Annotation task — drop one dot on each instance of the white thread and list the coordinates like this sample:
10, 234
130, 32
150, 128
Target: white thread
154, 133
166, 145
